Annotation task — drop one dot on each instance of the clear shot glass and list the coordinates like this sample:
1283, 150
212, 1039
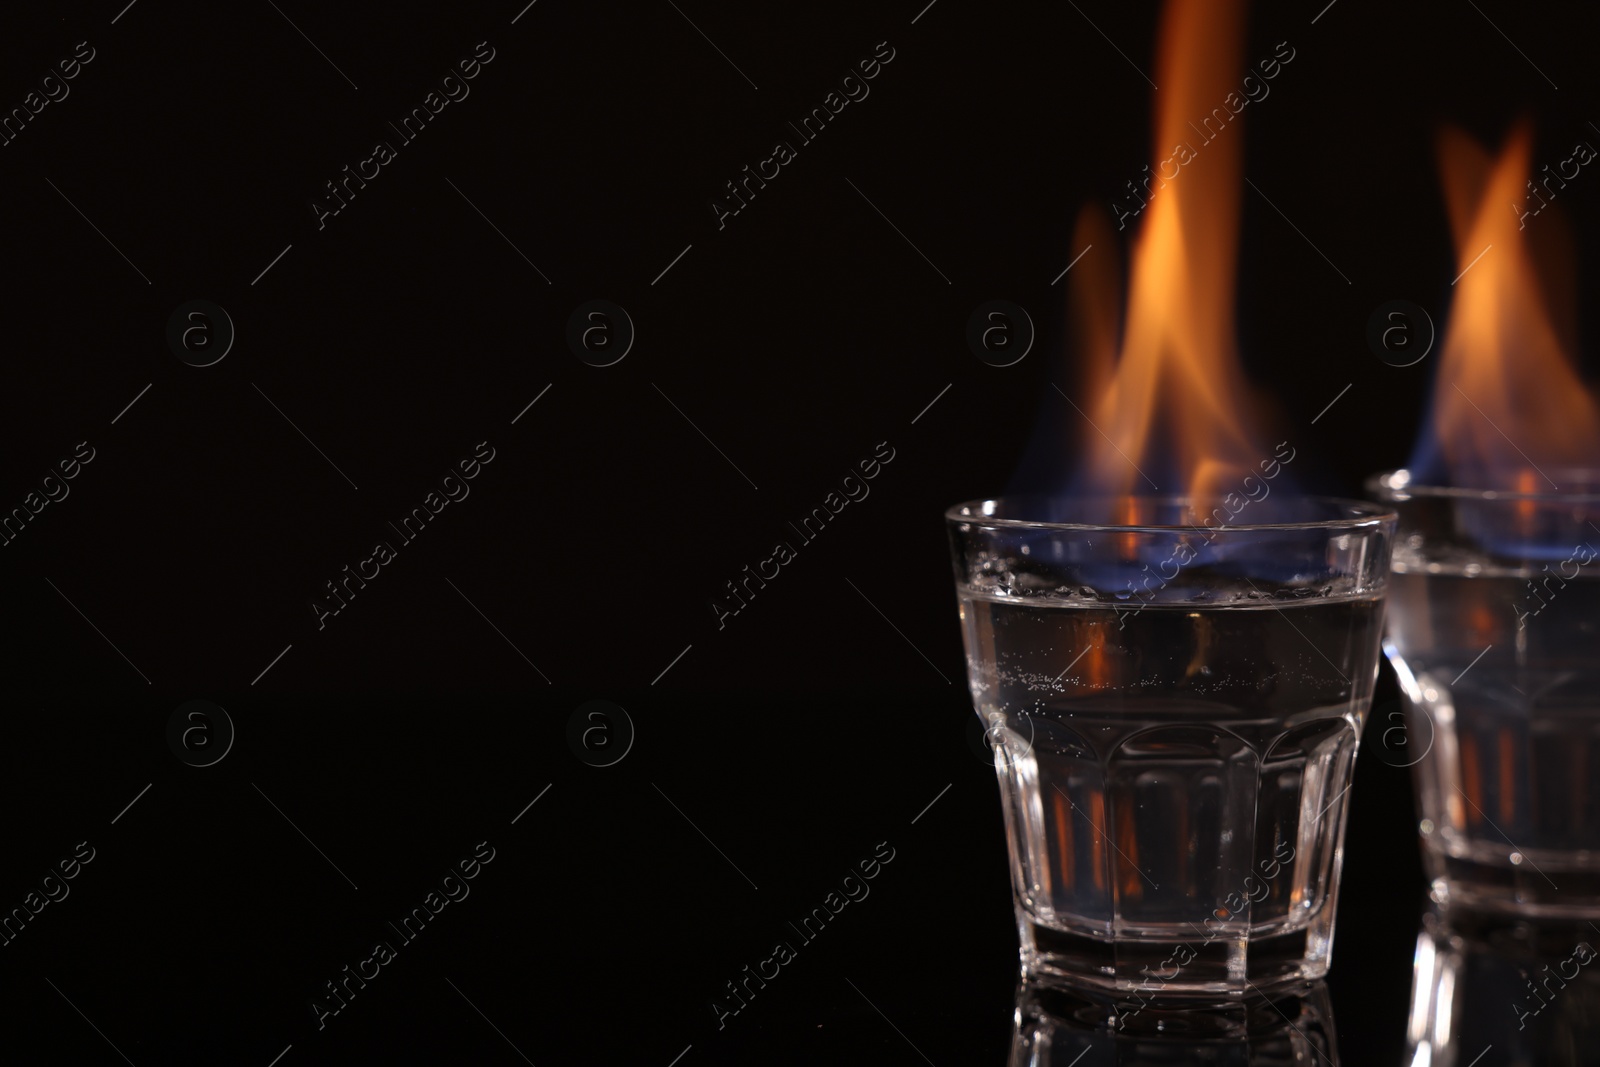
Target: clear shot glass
1174, 698
1494, 631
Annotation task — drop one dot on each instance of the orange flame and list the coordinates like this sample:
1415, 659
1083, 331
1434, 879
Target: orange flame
1171, 398
1507, 400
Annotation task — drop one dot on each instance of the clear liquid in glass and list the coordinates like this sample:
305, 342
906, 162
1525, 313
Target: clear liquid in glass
1503, 687
1173, 781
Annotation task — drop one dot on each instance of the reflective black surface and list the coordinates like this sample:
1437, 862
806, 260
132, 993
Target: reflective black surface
1505, 991
732, 844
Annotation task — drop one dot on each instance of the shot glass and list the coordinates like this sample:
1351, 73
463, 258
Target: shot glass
1494, 631
1174, 700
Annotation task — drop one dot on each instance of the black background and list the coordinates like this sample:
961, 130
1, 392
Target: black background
426, 715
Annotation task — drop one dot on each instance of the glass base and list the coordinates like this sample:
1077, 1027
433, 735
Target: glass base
1056, 1024
1151, 972
1519, 937
1541, 886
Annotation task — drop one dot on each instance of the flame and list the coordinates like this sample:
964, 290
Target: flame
1170, 398
1510, 411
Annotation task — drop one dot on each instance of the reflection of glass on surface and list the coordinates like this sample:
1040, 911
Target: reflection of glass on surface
1494, 618
1055, 1028
1173, 756
1528, 990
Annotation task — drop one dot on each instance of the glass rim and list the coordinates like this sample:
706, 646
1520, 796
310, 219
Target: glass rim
1384, 483
1358, 515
